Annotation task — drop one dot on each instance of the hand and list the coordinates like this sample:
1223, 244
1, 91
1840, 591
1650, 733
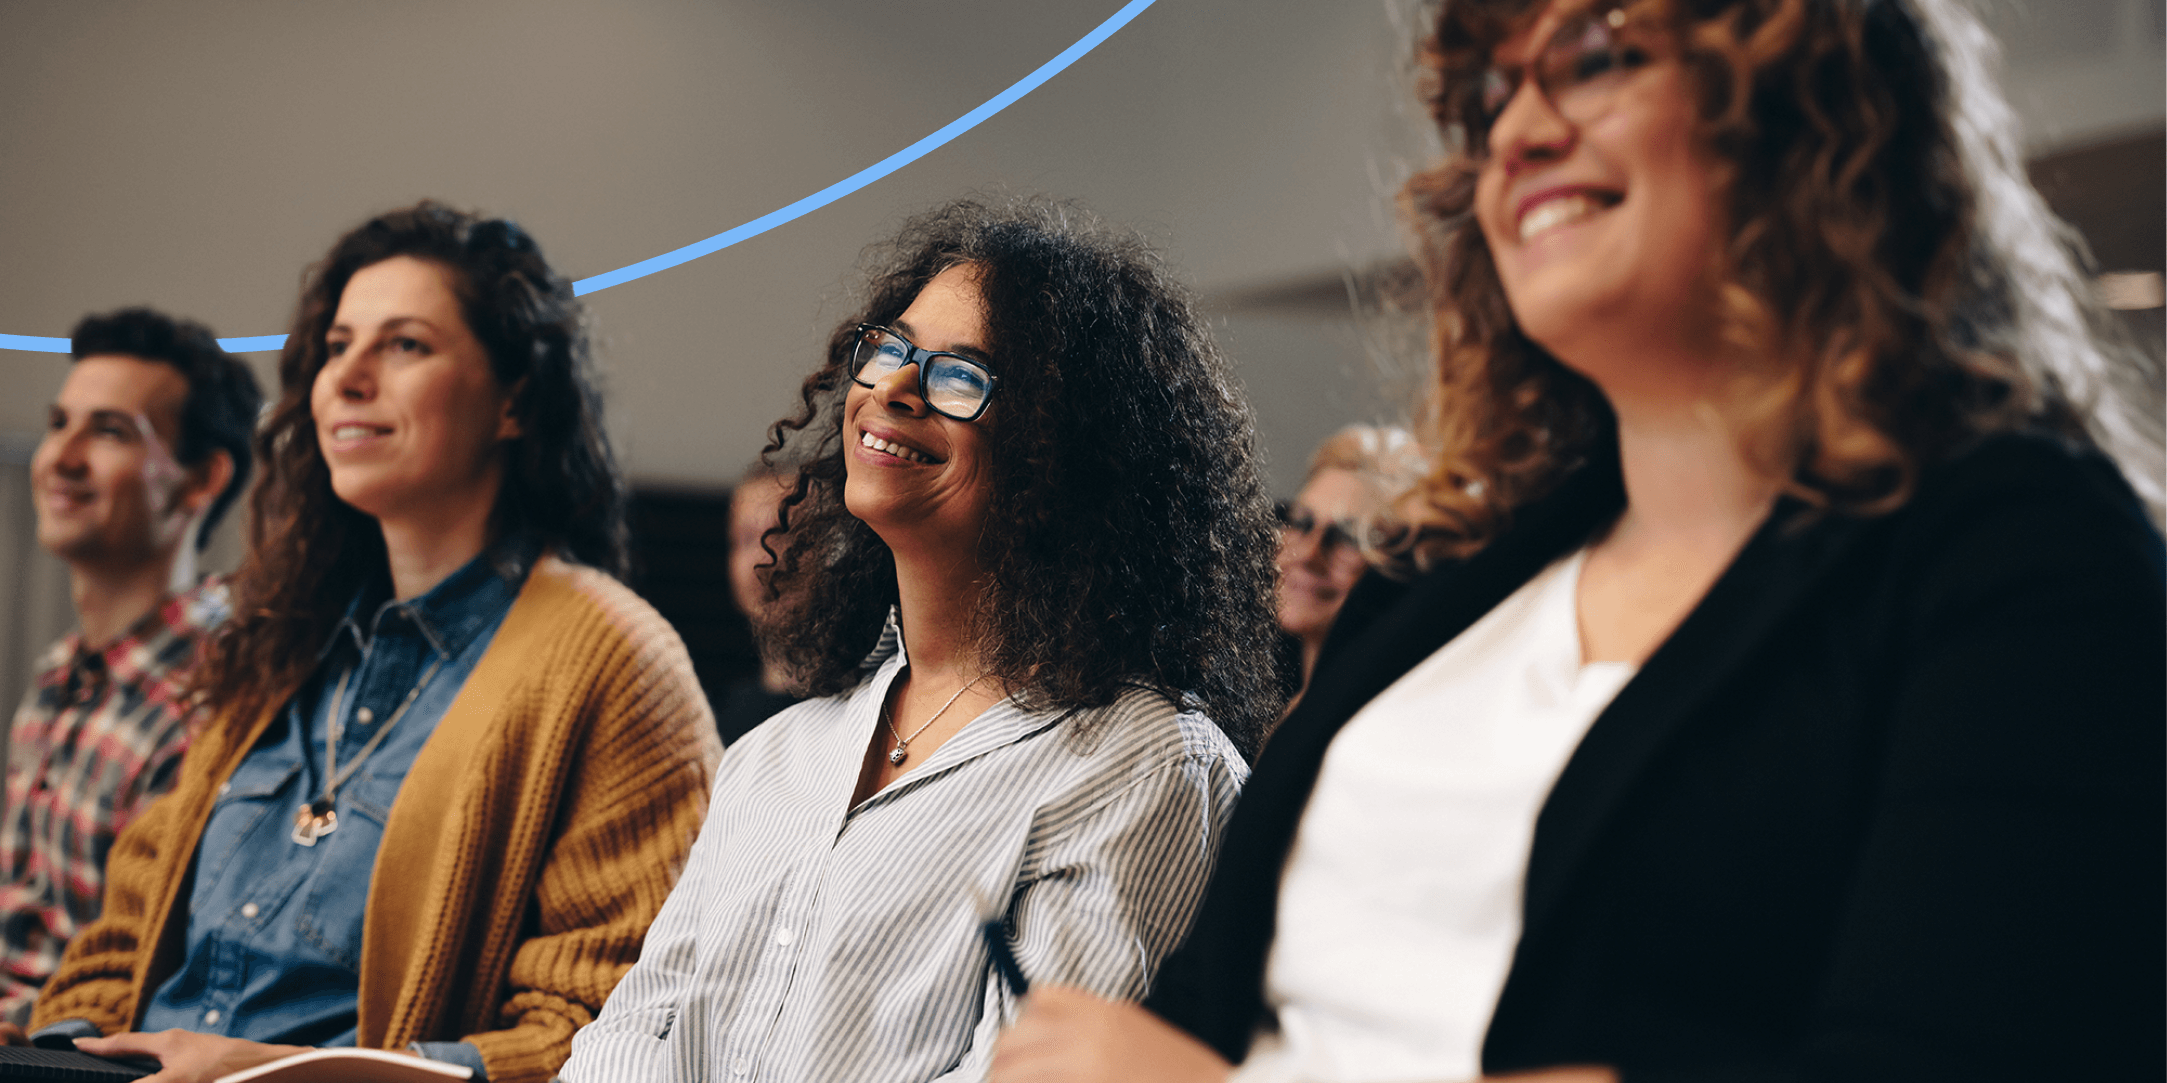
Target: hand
186, 1056
10, 1034
1070, 1036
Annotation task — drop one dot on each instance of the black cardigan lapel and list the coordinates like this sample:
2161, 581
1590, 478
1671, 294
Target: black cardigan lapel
1779, 566
1214, 984
1363, 661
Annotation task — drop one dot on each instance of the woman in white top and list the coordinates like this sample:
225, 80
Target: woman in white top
1027, 579
1776, 694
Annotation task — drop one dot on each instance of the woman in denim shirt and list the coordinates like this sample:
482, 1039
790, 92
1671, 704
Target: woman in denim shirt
453, 764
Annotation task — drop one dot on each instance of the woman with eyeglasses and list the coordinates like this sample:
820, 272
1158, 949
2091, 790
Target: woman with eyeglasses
452, 765
1352, 477
1027, 576
1775, 690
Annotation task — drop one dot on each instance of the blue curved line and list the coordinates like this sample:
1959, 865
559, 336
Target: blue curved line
252, 345
765, 222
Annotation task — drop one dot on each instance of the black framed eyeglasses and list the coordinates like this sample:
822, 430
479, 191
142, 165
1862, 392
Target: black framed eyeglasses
1336, 536
1578, 71
951, 384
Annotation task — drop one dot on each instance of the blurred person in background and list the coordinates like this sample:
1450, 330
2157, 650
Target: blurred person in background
1353, 477
449, 766
145, 449
1776, 688
755, 505
1028, 581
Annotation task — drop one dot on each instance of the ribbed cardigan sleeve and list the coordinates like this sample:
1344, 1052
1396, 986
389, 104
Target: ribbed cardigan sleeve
634, 793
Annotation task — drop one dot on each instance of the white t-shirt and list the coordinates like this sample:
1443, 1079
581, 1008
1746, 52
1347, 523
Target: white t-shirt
1400, 905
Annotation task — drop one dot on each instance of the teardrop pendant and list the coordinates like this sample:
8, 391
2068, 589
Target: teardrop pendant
897, 755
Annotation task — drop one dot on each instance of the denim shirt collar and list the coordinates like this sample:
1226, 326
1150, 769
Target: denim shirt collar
448, 615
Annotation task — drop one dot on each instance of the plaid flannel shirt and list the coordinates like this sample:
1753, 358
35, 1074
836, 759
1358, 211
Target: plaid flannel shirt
98, 735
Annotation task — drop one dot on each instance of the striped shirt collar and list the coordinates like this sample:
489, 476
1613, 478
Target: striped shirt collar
1001, 725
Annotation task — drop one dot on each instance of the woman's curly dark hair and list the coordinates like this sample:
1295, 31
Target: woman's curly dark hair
1132, 537
1888, 280
309, 551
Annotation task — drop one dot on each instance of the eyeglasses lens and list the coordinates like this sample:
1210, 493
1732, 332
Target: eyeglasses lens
956, 387
878, 354
1301, 522
1578, 73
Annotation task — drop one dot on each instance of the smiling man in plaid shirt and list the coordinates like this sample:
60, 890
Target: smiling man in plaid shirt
146, 447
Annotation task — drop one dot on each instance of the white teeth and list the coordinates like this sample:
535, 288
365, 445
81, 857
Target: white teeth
897, 450
1552, 213
352, 432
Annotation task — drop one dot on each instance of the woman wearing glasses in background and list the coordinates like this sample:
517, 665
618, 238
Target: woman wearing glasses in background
453, 765
1028, 574
1780, 696
1352, 477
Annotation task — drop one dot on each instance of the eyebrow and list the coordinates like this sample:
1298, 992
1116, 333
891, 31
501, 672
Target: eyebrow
390, 324
108, 416
972, 352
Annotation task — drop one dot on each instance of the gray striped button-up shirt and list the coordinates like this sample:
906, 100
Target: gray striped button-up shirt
810, 940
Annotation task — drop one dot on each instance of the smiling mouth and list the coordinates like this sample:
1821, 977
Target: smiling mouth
69, 499
885, 447
1311, 585
1564, 211
356, 432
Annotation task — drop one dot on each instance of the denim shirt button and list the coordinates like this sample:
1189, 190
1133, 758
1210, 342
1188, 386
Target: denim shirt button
248, 910
210, 1018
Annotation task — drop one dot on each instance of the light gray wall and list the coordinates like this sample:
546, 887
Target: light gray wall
196, 154
33, 585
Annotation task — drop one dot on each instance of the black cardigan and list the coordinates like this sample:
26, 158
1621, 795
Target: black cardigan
1888, 804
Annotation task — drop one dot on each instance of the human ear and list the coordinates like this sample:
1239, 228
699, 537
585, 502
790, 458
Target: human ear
205, 481
508, 426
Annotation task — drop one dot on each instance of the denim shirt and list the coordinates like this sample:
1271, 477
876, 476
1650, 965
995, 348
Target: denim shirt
274, 928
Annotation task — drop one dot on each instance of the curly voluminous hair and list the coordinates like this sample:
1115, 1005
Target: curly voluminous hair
1890, 283
309, 551
1131, 539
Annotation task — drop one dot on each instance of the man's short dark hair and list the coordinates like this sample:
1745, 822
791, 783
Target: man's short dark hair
223, 399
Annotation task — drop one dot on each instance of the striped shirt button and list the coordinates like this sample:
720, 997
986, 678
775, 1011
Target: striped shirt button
784, 936
741, 1065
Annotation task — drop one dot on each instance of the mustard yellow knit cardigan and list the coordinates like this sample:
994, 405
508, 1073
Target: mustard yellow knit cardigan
531, 845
